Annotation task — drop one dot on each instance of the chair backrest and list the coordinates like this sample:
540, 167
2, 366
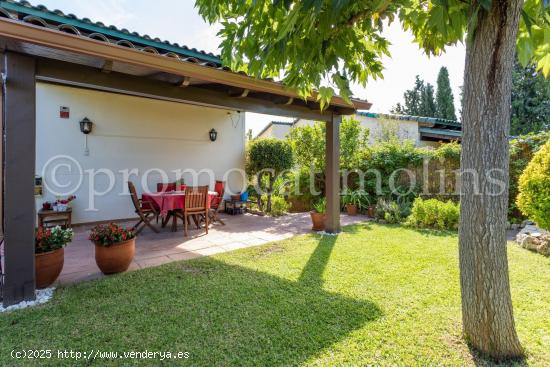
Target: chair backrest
196, 197
170, 186
219, 187
134, 196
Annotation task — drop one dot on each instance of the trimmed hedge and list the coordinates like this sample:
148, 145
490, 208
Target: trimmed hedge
432, 213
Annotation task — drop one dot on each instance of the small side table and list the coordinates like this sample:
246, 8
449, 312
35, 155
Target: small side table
234, 207
51, 218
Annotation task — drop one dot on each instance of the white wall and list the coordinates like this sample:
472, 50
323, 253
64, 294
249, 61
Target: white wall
131, 133
280, 131
405, 130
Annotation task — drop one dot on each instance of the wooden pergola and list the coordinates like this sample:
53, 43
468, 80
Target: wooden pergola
32, 51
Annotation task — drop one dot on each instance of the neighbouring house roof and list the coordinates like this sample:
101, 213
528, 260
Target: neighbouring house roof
428, 133
430, 128
36, 30
283, 123
429, 121
56, 19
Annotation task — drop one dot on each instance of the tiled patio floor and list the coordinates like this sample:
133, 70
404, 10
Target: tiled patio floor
153, 249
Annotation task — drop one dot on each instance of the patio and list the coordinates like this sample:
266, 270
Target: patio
130, 87
154, 249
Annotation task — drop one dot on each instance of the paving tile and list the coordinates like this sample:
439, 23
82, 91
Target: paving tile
234, 246
210, 251
154, 261
184, 256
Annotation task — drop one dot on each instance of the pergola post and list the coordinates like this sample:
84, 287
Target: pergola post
19, 101
332, 174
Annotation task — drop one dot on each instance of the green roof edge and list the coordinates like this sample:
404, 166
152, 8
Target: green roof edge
105, 30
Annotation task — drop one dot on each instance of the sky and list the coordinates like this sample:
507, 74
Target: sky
178, 21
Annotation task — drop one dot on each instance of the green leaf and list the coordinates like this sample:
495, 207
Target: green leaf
544, 65
524, 49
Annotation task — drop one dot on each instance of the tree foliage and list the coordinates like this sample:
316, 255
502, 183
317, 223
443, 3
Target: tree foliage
444, 98
308, 144
325, 44
530, 101
419, 101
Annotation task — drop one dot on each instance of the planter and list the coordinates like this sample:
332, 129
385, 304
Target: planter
48, 266
115, 258
351, 209
371, 212
318, 220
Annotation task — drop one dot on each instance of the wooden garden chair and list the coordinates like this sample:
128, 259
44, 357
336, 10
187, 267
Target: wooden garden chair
196, 205
216, 202
145, 210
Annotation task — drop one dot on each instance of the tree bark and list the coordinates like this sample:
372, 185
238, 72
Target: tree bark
270, 191
487, 315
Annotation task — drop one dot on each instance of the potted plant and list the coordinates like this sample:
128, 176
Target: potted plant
366, 203
318, 215
49, 254
352, 201
62, 205
114, 247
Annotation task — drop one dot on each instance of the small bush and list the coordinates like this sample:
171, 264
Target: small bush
534, 188
389, 211
279, 206
432, 213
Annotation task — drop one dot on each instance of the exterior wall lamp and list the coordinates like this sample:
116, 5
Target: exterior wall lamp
86, 126
213, 134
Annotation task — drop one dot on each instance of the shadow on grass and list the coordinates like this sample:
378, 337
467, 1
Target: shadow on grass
481, 360
221, 314
355, 228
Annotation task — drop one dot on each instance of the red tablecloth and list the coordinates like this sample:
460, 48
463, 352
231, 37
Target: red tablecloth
166, 201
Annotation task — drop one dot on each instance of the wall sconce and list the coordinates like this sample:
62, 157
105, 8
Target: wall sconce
213, 135
86, 126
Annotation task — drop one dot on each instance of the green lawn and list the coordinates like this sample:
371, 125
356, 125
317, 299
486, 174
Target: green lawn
374, 295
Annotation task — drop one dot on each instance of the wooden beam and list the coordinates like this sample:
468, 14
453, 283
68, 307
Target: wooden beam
19, 100
107, 66
284, 100
88, 77
185, 82
332, 174
238, 93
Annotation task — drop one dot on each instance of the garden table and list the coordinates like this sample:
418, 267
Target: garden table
167, 202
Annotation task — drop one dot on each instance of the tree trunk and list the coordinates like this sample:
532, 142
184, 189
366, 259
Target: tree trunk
270, 191
260, 206
487, 316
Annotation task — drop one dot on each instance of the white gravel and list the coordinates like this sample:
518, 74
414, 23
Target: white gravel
42, 296
323, 233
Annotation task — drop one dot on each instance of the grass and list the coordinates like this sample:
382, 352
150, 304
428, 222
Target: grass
374, 295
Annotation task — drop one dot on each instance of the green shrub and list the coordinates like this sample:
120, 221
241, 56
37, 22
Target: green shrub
266, 159
522, 150
279, 206
388, 210
534, 188
433, 213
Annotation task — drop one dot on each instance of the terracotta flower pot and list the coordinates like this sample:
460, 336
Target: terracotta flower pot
351, 209
318, 220
371, 212
115, 258
48, 266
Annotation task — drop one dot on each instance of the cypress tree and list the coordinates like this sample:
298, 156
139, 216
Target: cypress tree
444, 97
